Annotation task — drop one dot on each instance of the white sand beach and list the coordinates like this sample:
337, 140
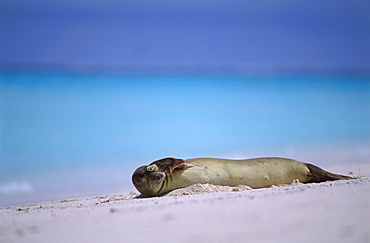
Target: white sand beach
337, 211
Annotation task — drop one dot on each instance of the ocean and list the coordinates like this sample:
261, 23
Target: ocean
77, 134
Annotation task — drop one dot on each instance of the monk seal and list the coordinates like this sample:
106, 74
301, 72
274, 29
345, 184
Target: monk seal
167, 174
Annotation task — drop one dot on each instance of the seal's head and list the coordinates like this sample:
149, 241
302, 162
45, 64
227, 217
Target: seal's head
149, 180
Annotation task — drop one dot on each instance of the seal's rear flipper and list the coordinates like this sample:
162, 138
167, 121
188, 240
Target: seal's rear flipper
320, 175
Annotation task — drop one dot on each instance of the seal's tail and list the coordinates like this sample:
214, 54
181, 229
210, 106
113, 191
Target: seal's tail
320, 175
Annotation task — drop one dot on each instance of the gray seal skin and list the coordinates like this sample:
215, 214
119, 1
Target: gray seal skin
168, 174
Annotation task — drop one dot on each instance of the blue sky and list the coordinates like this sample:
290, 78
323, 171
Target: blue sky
186, 34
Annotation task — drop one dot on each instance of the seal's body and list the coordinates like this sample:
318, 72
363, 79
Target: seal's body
167, 174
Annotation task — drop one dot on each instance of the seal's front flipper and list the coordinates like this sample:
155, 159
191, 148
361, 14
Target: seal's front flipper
182, 166
168, 165
320, 175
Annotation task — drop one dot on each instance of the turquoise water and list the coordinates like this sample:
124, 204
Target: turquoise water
72, 134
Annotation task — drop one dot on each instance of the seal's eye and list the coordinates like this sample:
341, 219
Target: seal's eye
152, 167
